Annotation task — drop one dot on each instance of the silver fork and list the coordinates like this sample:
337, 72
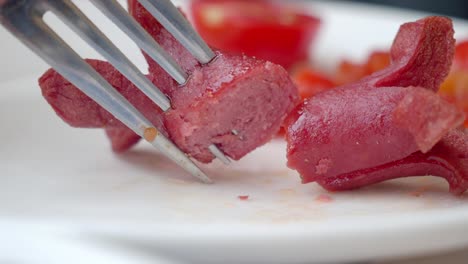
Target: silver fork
24, 19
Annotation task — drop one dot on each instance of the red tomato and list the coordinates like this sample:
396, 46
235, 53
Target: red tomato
378, 60
447, 89
455, 90
310, 82
461, 55
455, 87
461, 93
348, 72
256, 28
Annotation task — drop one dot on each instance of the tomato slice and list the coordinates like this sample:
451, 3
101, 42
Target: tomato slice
348, 72
461, 55
257, 28
455, 90
311, 82
378, 60
455, 87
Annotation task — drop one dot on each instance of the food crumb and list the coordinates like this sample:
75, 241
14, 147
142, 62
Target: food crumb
178, 181
324, 198
150, 134
243, 197
419, 192
287, 192
268, 181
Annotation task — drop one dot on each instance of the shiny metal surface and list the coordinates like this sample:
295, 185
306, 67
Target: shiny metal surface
23, 19
170, 17
120, 17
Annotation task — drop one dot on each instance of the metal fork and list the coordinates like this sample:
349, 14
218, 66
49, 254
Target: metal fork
24, 19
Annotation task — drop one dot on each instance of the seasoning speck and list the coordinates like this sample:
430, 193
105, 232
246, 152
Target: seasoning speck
419, 192
150, 134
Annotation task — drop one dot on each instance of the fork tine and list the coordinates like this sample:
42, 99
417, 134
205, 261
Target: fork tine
219, 154
121, 18
78, 22
28, 27
170, 17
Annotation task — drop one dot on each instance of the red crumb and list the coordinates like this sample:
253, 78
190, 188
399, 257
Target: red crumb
150, 134
243, 197
419, 192
324, 198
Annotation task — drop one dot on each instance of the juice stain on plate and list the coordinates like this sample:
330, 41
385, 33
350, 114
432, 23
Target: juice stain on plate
420, 191
324, 198
287, 192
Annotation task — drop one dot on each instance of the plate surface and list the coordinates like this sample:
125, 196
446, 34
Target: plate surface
65, 196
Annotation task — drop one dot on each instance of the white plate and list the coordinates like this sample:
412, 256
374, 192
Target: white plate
65, 196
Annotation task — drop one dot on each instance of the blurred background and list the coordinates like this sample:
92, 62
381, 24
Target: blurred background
457, 8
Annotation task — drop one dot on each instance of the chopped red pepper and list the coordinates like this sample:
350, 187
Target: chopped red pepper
455, 87
310, 82
348, 72
378, 60
461, 55
257, 28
